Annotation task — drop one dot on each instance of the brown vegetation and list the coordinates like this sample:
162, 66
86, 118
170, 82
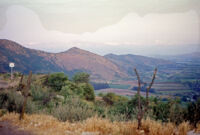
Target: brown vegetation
44, 124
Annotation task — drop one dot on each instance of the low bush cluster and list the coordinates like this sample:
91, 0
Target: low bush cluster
73, 109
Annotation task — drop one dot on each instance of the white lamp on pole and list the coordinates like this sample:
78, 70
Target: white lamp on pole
11, 65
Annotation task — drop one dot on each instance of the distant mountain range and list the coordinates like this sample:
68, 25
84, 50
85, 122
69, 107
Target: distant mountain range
186, 58
108, 67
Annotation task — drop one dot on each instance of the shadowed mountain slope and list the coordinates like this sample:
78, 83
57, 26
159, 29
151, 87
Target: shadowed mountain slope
70, 61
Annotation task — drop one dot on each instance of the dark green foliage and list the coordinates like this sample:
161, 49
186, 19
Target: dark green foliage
17, 74
81, 77
11, 100
161, 111
121, 109
171, 110
99, 108
134, 100
57, 81
132, 105
193, 112
176, 114
124, 108
100, 94
111, 98
71, 89
88, 91
79, 87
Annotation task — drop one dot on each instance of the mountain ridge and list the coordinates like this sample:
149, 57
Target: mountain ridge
70, 61
108, 67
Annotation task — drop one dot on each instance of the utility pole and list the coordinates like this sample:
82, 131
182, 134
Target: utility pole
11, 65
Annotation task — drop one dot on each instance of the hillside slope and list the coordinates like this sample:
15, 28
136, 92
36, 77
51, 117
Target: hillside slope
70, 61
25, 59
144, 65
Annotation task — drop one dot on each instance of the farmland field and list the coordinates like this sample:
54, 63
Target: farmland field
119, 86
123, 92
159, 88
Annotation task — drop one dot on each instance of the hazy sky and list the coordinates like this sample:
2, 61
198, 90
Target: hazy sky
147, 27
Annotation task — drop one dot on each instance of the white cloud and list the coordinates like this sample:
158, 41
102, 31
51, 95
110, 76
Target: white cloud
163, 29
24, 26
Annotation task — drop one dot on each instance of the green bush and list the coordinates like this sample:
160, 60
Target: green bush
111, 98
71, 89
11, 100
88, 91
161, 111
81, 77
73, 110
170, 110
176, 114
31, 107
57, 81
38, 93
126, 109
193, 113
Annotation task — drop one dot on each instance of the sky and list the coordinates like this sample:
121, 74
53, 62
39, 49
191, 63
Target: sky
145, 27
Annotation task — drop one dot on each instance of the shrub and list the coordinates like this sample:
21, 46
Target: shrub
111, 98
38, 93
121, 111
193, 113
11, 100
31, 107
73, 110
57, 81
161, 111
99, 108
176, 114
81, 77
71, 89
88, 91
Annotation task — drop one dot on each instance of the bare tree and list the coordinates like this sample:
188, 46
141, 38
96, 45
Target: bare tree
147, 90
25, 92
141, 111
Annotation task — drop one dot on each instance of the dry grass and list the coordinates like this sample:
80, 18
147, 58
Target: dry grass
198, 128
48, 125
183, 128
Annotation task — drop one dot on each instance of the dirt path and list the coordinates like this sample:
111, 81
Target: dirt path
7, 129
7, 84
3, 84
